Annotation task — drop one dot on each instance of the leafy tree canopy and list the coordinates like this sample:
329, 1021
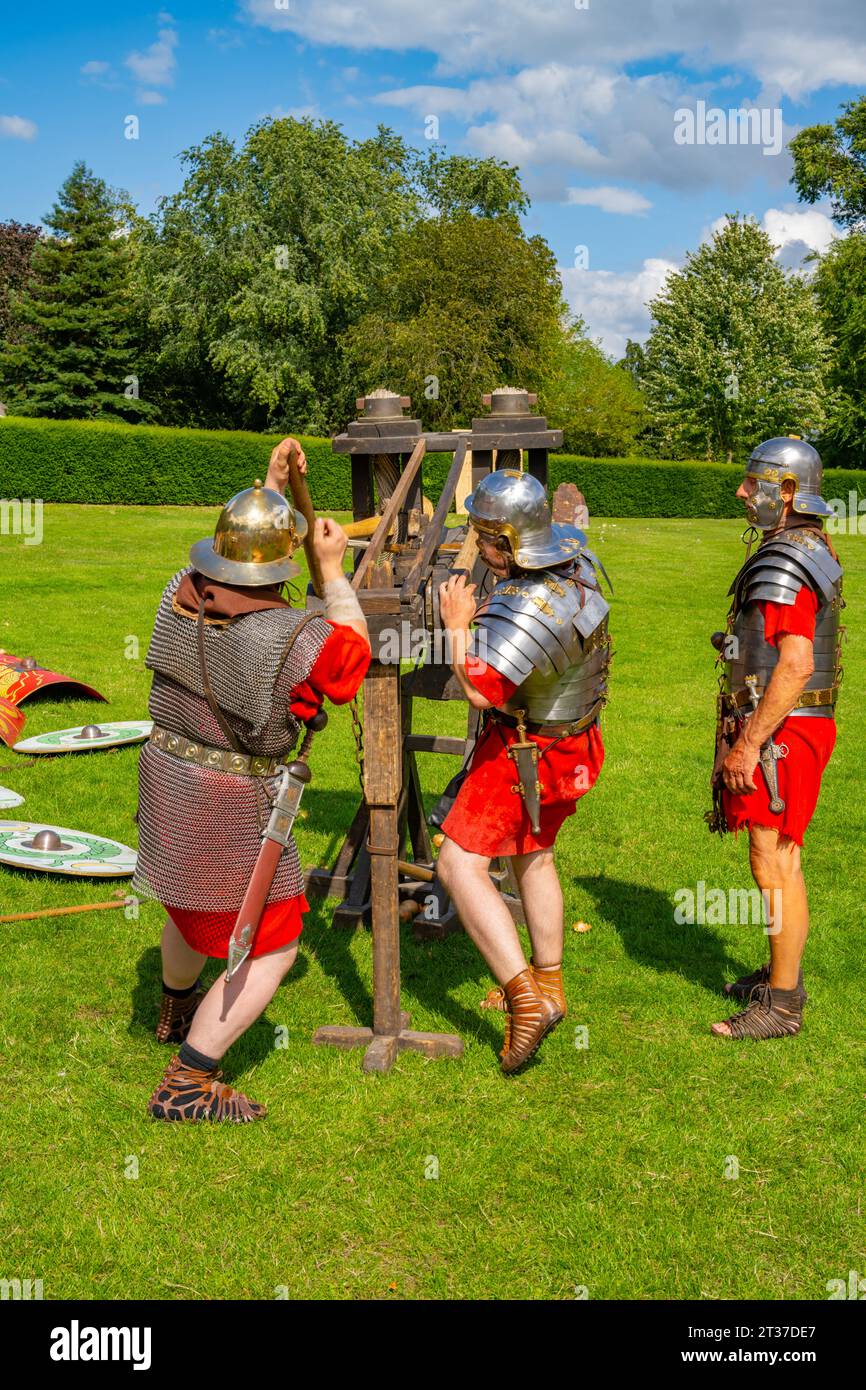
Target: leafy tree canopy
251, 278
596, 404
72, 359
468, 304
830, 161
737, 352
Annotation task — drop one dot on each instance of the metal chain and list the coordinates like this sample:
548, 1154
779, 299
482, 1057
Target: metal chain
358, 731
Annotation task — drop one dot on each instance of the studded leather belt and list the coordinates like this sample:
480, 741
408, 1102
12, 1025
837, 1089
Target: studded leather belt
576, 726
218, 759
810, 699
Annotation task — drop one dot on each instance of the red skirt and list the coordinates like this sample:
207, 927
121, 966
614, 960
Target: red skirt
209, 932
810, 742
489, 818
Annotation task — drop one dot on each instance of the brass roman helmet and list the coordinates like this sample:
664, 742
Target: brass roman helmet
255, 537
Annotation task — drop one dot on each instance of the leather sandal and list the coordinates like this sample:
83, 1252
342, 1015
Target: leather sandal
190, 1093
549, 981
176, 1016
529, 1017
742, 988
770, 1013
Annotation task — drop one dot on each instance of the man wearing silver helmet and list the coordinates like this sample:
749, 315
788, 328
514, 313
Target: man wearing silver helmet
237, 673
780, 660
536, 665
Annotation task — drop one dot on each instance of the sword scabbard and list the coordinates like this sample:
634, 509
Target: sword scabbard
276, 837
524, 754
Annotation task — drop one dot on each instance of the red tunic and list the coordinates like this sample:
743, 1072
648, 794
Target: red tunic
488, 816
810, 741
337, 675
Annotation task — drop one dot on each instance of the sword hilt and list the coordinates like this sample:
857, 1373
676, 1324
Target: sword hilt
312, 727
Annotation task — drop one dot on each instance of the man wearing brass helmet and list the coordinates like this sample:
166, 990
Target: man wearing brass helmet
237, 672
536, 666
780, 675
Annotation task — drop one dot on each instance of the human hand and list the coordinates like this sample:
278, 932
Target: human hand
329, 544
739, 766
457, 603
278, 467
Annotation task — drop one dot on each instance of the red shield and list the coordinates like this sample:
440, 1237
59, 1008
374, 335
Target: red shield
23, 676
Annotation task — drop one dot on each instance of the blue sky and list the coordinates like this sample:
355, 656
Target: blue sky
582, 94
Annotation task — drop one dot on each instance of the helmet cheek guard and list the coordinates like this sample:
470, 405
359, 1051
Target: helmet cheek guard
766, 505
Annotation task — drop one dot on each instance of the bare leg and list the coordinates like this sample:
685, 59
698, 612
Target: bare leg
481, 910
776, 869
181, 965
541, 894
227, 1010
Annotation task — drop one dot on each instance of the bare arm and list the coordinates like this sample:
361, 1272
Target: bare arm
341, 601
787, 683
457, 607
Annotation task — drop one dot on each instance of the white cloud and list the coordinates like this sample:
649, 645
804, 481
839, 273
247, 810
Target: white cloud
614, 303
148, 98
609, 199
155, 66
794, 46
94, 69
789, 227
17, 128
224, 39
593, 121
795, 233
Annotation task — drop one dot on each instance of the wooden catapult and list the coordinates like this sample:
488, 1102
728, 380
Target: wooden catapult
397, 578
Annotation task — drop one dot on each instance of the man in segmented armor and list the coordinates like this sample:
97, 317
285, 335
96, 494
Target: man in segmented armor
776, 727
537, 665
237, 673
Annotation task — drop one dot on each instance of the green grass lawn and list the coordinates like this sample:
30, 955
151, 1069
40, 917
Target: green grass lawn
599, 1168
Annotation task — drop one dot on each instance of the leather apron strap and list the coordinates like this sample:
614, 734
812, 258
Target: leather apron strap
215, 710
217, 713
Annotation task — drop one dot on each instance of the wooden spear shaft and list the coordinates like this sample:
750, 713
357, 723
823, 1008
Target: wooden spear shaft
61, 911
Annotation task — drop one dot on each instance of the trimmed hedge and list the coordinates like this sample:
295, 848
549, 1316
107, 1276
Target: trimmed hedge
663, 488
98, 461
149, 465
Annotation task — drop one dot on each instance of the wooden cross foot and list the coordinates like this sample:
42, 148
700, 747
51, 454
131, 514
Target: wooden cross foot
382, 1048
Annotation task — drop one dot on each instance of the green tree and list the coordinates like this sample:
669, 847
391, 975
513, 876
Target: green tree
250, 278
453, 184
840, 287
595, 403
73, 359
17, 241
633, 361
737, 352
830, 161
470, 304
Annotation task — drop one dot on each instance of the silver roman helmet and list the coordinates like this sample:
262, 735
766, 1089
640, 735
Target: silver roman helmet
787, 458
514, 506
255, 538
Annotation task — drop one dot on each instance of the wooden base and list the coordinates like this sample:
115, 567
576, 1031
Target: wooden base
382, 1049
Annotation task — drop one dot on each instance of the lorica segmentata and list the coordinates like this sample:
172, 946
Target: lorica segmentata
776, 573
548, 632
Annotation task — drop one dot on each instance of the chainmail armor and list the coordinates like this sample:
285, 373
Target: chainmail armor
200, 829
